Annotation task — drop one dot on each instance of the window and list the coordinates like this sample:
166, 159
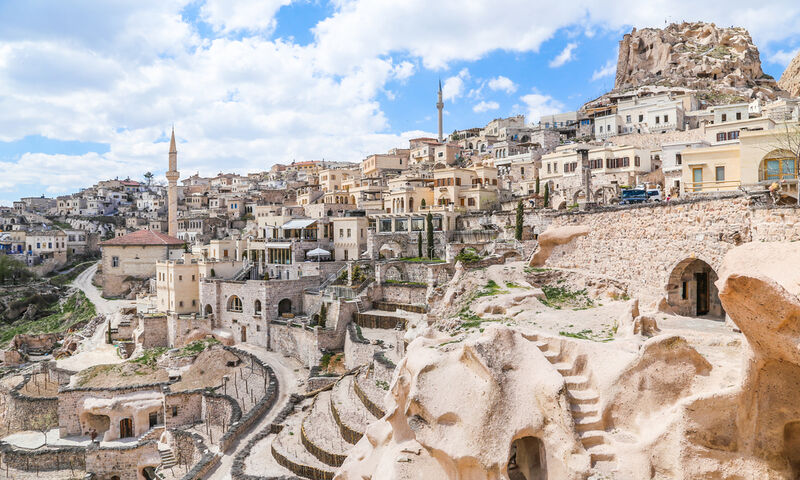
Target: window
724, 117
778, 169
627, 119
722, 136
194, 303
349, 233
733, 135
174, 411
180, 304
471, 202
180, 278
341, 233
193, 278
720, 172
738, 115
601, 129
637, 161
257, 307
658, 119
548, 168
596, 163
235, 304
666, 118
678, 159
115, 262
458, 181
522, 171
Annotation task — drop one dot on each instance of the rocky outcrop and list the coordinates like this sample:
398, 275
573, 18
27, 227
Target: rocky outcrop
553, 238
696, 55
790, 80
468, 410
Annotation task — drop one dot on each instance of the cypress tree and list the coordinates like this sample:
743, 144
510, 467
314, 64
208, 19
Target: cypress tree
518, 229
537, 185
419, 244
429, 226
546, 195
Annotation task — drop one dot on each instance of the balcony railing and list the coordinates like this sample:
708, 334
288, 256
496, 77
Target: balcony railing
712, 186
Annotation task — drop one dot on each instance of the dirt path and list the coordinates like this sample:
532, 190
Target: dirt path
95, 350
287, 384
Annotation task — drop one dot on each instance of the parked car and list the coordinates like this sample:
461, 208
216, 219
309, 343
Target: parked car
654, 195
633, 195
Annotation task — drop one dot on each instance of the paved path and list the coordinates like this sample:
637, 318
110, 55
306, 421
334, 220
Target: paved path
287, 384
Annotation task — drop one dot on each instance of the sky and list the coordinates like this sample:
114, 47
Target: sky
89, 90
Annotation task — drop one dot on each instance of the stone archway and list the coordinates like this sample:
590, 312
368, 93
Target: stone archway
526, 460
209, 309
284, 306
691, 290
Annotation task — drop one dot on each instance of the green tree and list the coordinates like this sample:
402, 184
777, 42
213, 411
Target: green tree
149, 177
323, 315
537, 185
546, 194
13, 271
518, 229
419, 244
429, 228
422, 204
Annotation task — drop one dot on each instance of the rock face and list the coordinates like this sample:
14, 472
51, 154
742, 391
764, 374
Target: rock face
554, 237
696, 55
790, 80
463, 410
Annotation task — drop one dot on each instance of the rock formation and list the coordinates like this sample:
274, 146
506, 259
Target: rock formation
696, 55
790, 80
554, 237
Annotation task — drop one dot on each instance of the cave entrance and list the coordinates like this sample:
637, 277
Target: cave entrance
791, 446
526, 461
691, 291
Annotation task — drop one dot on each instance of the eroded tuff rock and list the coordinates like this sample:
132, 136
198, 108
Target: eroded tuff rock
790, 80
554, 237
696, 55
455, 409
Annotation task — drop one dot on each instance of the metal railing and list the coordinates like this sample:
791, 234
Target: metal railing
712, 186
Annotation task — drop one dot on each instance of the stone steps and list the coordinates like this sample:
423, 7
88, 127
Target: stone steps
584, 402
167, 458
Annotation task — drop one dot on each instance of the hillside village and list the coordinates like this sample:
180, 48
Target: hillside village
393, 316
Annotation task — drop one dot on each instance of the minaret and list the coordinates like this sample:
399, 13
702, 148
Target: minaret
440, 106
172, 190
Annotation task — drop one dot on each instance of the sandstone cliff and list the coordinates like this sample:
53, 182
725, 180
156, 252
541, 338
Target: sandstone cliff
696, 55
790, 80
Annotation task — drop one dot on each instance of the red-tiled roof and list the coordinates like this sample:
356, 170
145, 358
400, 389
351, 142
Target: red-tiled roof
143, 237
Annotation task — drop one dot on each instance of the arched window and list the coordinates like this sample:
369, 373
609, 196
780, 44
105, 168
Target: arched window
284, 306
234, 304
778, 165
257, 307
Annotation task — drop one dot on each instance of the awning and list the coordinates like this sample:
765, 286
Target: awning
298, 223
318, 252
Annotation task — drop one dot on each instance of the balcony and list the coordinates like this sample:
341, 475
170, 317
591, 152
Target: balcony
712, 186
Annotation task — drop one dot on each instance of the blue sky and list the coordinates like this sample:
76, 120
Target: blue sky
89, 90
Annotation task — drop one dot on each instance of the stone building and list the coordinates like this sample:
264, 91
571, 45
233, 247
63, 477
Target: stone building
133, 257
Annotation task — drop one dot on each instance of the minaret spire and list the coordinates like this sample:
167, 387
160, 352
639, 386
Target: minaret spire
172, 188
440, 106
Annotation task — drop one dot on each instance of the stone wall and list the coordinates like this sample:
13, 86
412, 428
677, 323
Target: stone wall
641, 246
21, 412
152, 331
357, 349
70, 401
296, 341
411, 294
189, 408
43, 460
122, 462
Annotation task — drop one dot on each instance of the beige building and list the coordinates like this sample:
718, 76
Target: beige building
349, 237
394, 161
133, 257
177, 281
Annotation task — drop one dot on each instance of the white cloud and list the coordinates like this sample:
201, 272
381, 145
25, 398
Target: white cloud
404, 70
607, 70
782, 57
565, 55
485, 106
229, 16
502, 83
453, 87
536, 105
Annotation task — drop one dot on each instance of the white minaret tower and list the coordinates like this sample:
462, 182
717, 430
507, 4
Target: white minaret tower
172, 190
440, 106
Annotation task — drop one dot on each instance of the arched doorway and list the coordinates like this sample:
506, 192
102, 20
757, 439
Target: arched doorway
691, 290
284, 306
125, 428
149, 473
209, 310
526, 460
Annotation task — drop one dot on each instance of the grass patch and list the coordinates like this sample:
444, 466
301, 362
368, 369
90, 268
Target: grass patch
515, 285
197, 347
491, 288
421, 260
405, 283
383, 385
468, 255
559, 297
75, 310
66, 278
535, 270
605, 335
325, 361
149, 357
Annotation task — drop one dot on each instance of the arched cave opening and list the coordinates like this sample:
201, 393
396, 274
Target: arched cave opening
526, 461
